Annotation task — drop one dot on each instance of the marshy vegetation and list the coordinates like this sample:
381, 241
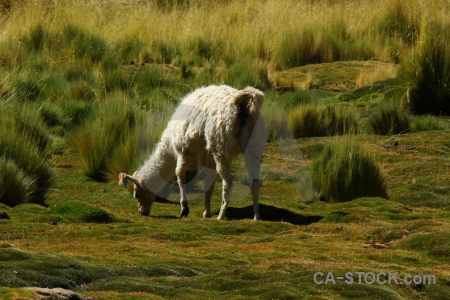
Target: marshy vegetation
87, 87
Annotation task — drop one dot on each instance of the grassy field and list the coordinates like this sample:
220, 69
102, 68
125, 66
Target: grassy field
356, 104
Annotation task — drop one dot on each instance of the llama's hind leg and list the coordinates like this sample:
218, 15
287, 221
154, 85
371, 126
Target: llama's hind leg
181, 178
210, 178
208, 195
224, 172
255, 195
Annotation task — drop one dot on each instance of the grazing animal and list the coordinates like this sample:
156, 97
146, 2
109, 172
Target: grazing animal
210, 127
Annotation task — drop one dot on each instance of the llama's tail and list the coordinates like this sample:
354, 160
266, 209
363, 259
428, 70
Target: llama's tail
249, 101
252, 132
251, 124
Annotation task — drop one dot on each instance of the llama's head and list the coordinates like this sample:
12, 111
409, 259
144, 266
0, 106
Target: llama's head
143, 195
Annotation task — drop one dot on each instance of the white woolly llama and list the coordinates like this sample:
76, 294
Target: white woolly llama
209, 128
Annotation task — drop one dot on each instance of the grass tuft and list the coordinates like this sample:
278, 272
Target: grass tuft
426, 76
82, 212
390, 119
106, 141
84, 43
24, 147
319, 120
345, 171
426, 123
15, 186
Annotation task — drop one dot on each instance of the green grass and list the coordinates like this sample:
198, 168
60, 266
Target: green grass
138, 257
9, 293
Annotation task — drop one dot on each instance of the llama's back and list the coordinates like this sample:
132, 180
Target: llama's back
213, 117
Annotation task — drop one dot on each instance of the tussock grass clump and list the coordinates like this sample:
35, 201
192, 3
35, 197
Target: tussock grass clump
276, 123
24, 146
241, 75
399, 23
426, 123
302, 47
345, 171
15, 186
24, 118
320, 120
84, 43
55, 115
82, 212
110, 128
390, 119
38, 175
426, 76
437, 244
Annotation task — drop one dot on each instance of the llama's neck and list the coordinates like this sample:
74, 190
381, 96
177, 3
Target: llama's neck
158, 169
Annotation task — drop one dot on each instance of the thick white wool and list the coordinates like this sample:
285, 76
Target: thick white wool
205, 128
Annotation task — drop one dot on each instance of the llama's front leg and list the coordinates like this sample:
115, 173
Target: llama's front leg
180, 171
224, 172
255, 195
209, 191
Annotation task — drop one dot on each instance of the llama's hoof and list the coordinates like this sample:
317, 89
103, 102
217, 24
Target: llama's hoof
184, 212
257, 218
206, 214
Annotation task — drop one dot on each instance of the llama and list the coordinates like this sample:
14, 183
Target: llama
210, 127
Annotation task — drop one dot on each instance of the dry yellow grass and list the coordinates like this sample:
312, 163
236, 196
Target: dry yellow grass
250, 29
379, 73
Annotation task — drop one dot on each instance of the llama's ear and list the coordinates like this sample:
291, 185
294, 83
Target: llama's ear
136, 179
123, 180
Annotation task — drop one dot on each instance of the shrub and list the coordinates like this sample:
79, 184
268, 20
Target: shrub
115, 80
241, 75
398, 24
82, 90
82, 212
145, 79
306, 121
302, 46
27, 88
36, 38
320, 120
24, 120
426, 123
299, 48
15, 186
84, 44
426, 77
33, 173
129, 48
110, 127
345, 172
205, 47
54, 115
390, 119
276, 123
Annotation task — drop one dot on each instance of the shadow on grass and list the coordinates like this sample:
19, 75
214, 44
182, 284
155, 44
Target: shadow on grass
166, 217
271, 213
